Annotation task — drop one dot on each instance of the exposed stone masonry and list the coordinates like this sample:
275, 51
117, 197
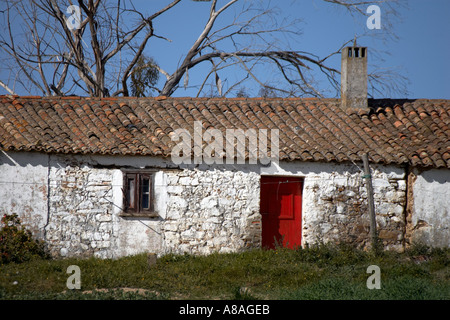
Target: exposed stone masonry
78, 202
80, 221
212, 210
217, 209
338, 208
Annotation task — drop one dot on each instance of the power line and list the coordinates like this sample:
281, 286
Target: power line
87, 184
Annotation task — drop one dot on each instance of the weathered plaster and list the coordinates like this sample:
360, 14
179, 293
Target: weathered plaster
23, 188
74, 203
430, 219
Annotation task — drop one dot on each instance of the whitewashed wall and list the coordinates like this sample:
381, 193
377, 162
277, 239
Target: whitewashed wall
23, 188
430, 220
86, 205
74, 203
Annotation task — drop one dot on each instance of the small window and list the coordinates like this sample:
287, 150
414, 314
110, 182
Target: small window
139, 194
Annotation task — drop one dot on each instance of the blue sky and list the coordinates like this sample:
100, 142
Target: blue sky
420, 53
423, 49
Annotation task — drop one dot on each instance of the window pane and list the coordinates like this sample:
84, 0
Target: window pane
145, 193
131, 182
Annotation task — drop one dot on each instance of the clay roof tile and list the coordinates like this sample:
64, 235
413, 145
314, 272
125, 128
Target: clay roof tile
412, 131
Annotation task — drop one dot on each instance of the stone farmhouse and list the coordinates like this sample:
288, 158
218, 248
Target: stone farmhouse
98, 177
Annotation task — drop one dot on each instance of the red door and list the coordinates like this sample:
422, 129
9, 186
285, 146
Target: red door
281, 211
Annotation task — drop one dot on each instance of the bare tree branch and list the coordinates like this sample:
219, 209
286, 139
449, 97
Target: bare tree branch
4, 86
100, 55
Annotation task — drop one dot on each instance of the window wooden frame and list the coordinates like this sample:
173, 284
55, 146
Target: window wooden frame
139, 194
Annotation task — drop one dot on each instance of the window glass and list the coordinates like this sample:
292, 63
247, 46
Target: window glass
131, 184
145, 193
138, 193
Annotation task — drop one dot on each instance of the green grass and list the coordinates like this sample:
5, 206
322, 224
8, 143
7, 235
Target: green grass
321, 272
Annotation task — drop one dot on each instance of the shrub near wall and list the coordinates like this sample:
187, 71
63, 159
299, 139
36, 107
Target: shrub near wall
16, 242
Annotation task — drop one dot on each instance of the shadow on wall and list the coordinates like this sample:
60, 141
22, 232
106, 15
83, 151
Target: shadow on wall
23, 159
441, 176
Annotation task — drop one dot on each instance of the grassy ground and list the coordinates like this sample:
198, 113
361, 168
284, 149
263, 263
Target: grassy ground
322, 272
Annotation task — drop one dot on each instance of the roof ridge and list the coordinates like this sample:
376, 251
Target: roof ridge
158, 98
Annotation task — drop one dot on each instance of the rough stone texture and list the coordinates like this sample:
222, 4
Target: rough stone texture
335, 206
85, 207
340, 209
212, 210
80, 205
74, 203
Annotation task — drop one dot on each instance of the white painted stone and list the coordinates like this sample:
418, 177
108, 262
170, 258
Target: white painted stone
177, 190
401, 185
431, 208
79, 203
103, 217
209, 202
178, 202
97, 236
185, 181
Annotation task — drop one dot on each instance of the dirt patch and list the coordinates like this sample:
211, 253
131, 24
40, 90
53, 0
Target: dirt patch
135, 290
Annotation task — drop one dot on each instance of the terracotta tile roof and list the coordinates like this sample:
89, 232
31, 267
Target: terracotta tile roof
415, 132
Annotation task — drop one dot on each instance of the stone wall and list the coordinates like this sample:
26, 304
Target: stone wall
212, 209
75, 204
335, 205
85, 210
336, 209
200, 211
81, 207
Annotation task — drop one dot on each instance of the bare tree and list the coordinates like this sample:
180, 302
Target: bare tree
99, 52
54, 55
